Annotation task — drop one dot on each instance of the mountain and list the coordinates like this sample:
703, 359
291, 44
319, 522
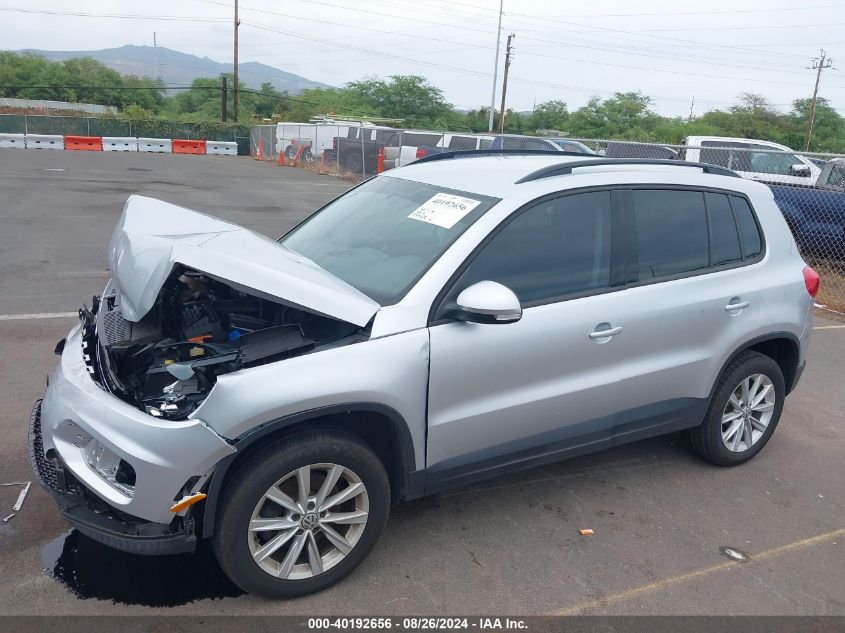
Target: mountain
177, 68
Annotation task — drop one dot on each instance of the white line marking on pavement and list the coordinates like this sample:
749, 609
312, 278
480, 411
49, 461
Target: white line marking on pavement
829, 327
40, 315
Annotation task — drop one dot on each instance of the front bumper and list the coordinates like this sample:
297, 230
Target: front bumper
164, 454
91, 516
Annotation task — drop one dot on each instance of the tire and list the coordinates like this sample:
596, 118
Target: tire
244, 504
290, 152
707, 439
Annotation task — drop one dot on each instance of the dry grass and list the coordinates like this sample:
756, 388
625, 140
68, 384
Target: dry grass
832, 289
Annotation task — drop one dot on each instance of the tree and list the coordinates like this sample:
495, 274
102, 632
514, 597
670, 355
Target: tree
828, 126
408, 97
549, 115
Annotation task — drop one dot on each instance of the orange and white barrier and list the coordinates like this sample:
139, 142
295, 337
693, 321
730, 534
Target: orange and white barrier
184, 146
117, 144
84, 143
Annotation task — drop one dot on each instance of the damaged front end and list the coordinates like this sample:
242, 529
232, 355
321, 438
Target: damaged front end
199, 328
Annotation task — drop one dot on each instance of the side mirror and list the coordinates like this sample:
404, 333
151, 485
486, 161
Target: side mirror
799, 169
488, 302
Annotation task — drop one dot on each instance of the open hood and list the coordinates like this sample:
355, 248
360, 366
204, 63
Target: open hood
153, 236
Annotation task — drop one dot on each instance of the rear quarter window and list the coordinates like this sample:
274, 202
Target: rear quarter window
749, 232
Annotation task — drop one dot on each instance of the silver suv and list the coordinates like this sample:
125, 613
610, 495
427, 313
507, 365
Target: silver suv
452, 320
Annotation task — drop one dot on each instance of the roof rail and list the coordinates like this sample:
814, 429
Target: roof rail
470, 153
566, 168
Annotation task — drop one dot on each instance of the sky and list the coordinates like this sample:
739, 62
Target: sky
674, 51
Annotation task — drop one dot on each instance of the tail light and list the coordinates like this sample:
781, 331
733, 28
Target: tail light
421, 153
811, 280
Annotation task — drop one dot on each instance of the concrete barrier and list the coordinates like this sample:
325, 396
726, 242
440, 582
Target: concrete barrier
120, 144
14, 141
156, 145
223, 148
45, 141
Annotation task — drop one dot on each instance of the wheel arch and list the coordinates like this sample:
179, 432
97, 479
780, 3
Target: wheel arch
381, 427
782, 347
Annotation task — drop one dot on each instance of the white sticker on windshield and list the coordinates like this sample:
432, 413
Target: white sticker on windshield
444, 210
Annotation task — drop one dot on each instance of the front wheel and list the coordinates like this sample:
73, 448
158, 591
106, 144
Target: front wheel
743, 413
299, 515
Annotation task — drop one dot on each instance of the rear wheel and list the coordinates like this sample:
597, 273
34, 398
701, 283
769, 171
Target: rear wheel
301, 514
745, 409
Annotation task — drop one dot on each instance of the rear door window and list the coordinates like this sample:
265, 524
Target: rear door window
726, 154
671, 232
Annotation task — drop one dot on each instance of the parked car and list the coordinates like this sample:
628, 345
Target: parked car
816, 214
451, 142
622, 149
568, 145
763, 161
519, 142
403, 147
441, 323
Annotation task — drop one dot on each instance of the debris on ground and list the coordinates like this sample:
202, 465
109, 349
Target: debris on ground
22, 496
587, 532
6, 520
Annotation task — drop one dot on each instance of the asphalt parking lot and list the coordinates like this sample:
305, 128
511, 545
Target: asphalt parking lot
506, 546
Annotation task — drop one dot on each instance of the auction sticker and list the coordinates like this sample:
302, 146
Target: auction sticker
444, 210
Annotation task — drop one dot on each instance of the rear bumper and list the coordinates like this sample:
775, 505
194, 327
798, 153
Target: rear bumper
93, 517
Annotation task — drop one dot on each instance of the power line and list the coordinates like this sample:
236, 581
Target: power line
127, 16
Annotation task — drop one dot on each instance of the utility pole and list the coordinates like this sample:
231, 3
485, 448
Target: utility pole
819, 64
155, 57
508, 51
691, 106
495, 70
235, 87
225, 97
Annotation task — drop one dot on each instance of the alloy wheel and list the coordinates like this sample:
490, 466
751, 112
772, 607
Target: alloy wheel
308, 521
748, 412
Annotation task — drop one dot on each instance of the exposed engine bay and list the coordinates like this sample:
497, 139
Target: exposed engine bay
199, 328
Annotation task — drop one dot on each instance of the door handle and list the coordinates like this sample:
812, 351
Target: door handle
739, 305
605, 333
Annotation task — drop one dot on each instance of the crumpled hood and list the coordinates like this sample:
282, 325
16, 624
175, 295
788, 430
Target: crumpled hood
153, 236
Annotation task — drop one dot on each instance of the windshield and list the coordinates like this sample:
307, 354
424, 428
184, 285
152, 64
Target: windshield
382, 236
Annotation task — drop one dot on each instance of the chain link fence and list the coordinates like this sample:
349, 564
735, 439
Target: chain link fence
352, 150
113, 126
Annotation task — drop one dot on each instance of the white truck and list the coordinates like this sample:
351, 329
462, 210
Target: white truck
754, 159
